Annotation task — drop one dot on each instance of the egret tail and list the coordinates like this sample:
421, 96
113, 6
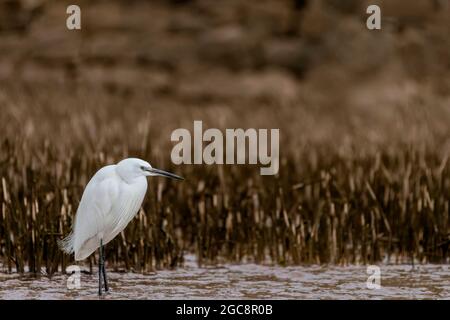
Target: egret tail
66, 244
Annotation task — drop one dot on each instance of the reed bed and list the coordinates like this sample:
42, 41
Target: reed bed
329, 203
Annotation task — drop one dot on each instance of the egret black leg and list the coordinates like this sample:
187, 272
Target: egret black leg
104, 270
100, 268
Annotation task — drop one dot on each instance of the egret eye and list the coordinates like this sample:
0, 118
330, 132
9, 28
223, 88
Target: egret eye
143, 168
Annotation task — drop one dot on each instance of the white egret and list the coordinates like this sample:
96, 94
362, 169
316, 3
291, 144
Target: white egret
110, 200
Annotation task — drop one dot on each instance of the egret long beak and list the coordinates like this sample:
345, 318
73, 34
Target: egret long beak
163, 173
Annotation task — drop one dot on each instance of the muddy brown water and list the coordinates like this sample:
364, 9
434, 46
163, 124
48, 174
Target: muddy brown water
243, 281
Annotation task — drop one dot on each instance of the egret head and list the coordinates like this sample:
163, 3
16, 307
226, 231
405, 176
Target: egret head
132, 168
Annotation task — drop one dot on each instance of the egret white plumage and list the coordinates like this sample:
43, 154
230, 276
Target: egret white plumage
110, 200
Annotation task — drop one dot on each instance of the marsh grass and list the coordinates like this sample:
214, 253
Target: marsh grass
332, 202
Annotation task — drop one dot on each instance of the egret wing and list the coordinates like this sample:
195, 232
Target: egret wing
125, 207
93, 211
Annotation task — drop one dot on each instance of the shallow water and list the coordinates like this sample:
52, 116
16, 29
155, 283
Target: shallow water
243, 281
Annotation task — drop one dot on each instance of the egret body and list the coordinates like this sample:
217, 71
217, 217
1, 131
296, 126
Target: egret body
110, 200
